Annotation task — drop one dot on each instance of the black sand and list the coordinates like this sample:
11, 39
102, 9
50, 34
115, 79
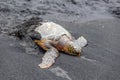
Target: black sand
99, 61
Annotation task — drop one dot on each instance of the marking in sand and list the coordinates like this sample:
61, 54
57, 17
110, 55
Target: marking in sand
87, 59
60, 72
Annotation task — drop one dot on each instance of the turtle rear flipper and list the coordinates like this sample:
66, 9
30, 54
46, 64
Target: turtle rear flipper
35, 35
30, 46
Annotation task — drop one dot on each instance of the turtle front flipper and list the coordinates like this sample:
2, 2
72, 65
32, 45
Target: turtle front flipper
51, 54
49, 58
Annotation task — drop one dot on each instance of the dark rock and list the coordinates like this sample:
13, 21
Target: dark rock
0, 30
28, 0
115, 11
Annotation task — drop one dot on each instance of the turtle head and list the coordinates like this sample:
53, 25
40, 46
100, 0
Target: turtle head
73, 51
76, 46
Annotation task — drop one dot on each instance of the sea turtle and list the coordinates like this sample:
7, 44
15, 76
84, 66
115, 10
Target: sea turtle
53, 38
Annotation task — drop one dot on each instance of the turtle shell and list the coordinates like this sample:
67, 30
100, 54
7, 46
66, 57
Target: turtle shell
51, 29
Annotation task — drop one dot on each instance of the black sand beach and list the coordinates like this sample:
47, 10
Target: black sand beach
97, 20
